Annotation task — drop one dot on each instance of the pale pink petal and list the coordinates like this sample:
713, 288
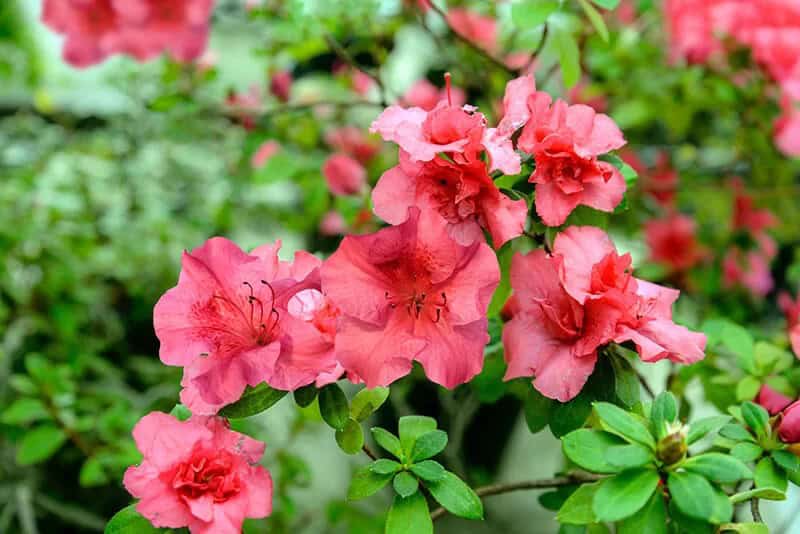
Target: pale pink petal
581, 247
454, 354
163, 440
394, 193
470, 289
604, 195
501, 152
515, 105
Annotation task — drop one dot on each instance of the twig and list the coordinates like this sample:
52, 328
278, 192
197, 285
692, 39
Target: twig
538, 49
508, 487
369, 452
469, 43
345, 56
73, 436
755, 510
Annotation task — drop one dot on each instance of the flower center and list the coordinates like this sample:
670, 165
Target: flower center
419, 304
207, 472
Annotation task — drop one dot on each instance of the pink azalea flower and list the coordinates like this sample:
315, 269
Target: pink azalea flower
265, 151
772, 401
582, 93
280, 85
198, 474
344, 175
749, 270
332, 223
423, 94
789, 429
565, 142
464, 194
227, 324
787, 130
410, 292
91, 29
578, 299
362, 82
354, 142
745, 216
792, 311
673, 242
459, 132
661, 182
479, 29
691, 30
243, 105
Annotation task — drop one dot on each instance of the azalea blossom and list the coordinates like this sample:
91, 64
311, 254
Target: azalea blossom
280, 85
772, 401
789, 429
791, 308
673, 242
565, 142
143, 29
579, 298
354, 142
480, 29
411, 292
423, 94
332, 223
198, 474
344, 175
265, 151
749, 270
227, 323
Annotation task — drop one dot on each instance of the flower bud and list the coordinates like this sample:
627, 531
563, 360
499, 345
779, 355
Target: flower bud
672, 448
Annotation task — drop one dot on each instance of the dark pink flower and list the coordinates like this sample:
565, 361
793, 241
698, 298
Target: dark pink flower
787, 129
673, 242
749, 270
792, 311
691, 30
423, 94
789, 429
227, 324
565, 142
745, 216
464, 194
332, 223
91, 29
344, 175
280, 85
354, 142
479, 29
265, 151
198, 474
410, 292
244, 104
661, 182
772, 401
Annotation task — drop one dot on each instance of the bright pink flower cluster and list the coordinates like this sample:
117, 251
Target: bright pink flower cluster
578, 298
776, 403
770, 28
96, 29
198, 474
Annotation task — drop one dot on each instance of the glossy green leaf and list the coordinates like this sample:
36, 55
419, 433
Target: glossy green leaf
456, 497
428, 470
405, 483
428, 445
624, 494
388, 442
384, 466
40, 444
333, 406
305, 395
652, 519
756, 418
718, 467
692, 494
746, 451
769, 475
253, 401
128, 521
736, 432
786, 460
629, 455
770, 494
702, 427
617, 421
409, 514
367, 401
577, 509
595, 18
537, 410
411, 427
23, 411
588, 448
531, 13
350, 438
663, 412
365, 482
744, 528
568, 55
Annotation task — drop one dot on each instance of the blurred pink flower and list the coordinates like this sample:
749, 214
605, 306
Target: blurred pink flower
749, 270
423, 94
673, 242
565, 142
772, 401
787, 129
244, 104
280, 85
480, 29
344, 175
583, 93
332, 223
410, 292
354, 142
791, 309
745, 216
265, 151
198, 474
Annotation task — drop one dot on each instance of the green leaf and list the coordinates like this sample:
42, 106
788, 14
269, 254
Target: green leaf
769, 475
745, 528
388, 442
747, 388
702, 427
428, 445
304, 396
577, 509
128, 521
428, 470
718, 467
568, 55
692, 494
626, 383
607, 4
787, 460
663, 412
740, 342
24, 411
384, 466
587, 448
629, 455
405, 483
756, 418
624, 494
531, 13
595, 18
40, 444
411, 427
746, 451
180, 412
365, 483
92, 473
537, 410
333, 406
367, 401
737, 432
567, 416
723, 508
652, 519
409, 514
617, 421
456, 497
770, 494
350, 438
253, 401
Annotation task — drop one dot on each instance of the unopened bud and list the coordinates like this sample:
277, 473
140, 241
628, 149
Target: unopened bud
672, 448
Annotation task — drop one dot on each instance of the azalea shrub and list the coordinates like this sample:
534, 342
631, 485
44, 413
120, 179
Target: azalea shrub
439, 245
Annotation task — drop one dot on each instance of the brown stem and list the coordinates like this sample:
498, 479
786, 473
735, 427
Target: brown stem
538, 50
755, 510
345, 56
645, 385
508, 487
369, 452
498, 62
73, 436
